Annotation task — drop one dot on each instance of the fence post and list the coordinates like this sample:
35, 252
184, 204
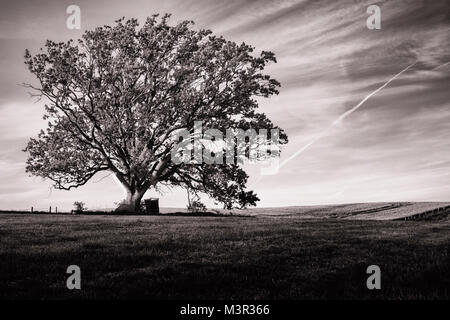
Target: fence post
56, 210
31, 209
50, 209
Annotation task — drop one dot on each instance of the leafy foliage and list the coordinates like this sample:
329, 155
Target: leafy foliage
79, 206
117, 94
196, 206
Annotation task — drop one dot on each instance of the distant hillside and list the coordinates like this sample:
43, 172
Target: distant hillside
357, 211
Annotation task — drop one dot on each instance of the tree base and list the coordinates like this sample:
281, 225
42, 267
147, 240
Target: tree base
125, 208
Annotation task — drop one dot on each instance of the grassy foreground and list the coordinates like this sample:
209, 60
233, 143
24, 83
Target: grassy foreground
221, 257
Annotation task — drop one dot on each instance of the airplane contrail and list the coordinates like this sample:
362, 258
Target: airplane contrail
442, 65
339, 119
343, 116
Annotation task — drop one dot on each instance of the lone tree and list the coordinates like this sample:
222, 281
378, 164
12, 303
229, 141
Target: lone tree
116, 96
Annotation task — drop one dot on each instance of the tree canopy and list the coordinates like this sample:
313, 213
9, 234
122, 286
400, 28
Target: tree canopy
116, 96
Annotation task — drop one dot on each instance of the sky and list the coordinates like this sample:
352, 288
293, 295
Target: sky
394, 147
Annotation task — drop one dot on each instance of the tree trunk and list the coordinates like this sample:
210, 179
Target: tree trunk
132, 203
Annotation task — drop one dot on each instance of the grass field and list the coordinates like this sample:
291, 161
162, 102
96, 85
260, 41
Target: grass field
174, 257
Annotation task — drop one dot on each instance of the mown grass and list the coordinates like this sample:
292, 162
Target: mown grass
175, 257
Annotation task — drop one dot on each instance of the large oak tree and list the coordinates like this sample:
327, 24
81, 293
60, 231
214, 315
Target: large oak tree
116, 96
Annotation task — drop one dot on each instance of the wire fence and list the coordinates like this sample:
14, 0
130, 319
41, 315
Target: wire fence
53, 210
